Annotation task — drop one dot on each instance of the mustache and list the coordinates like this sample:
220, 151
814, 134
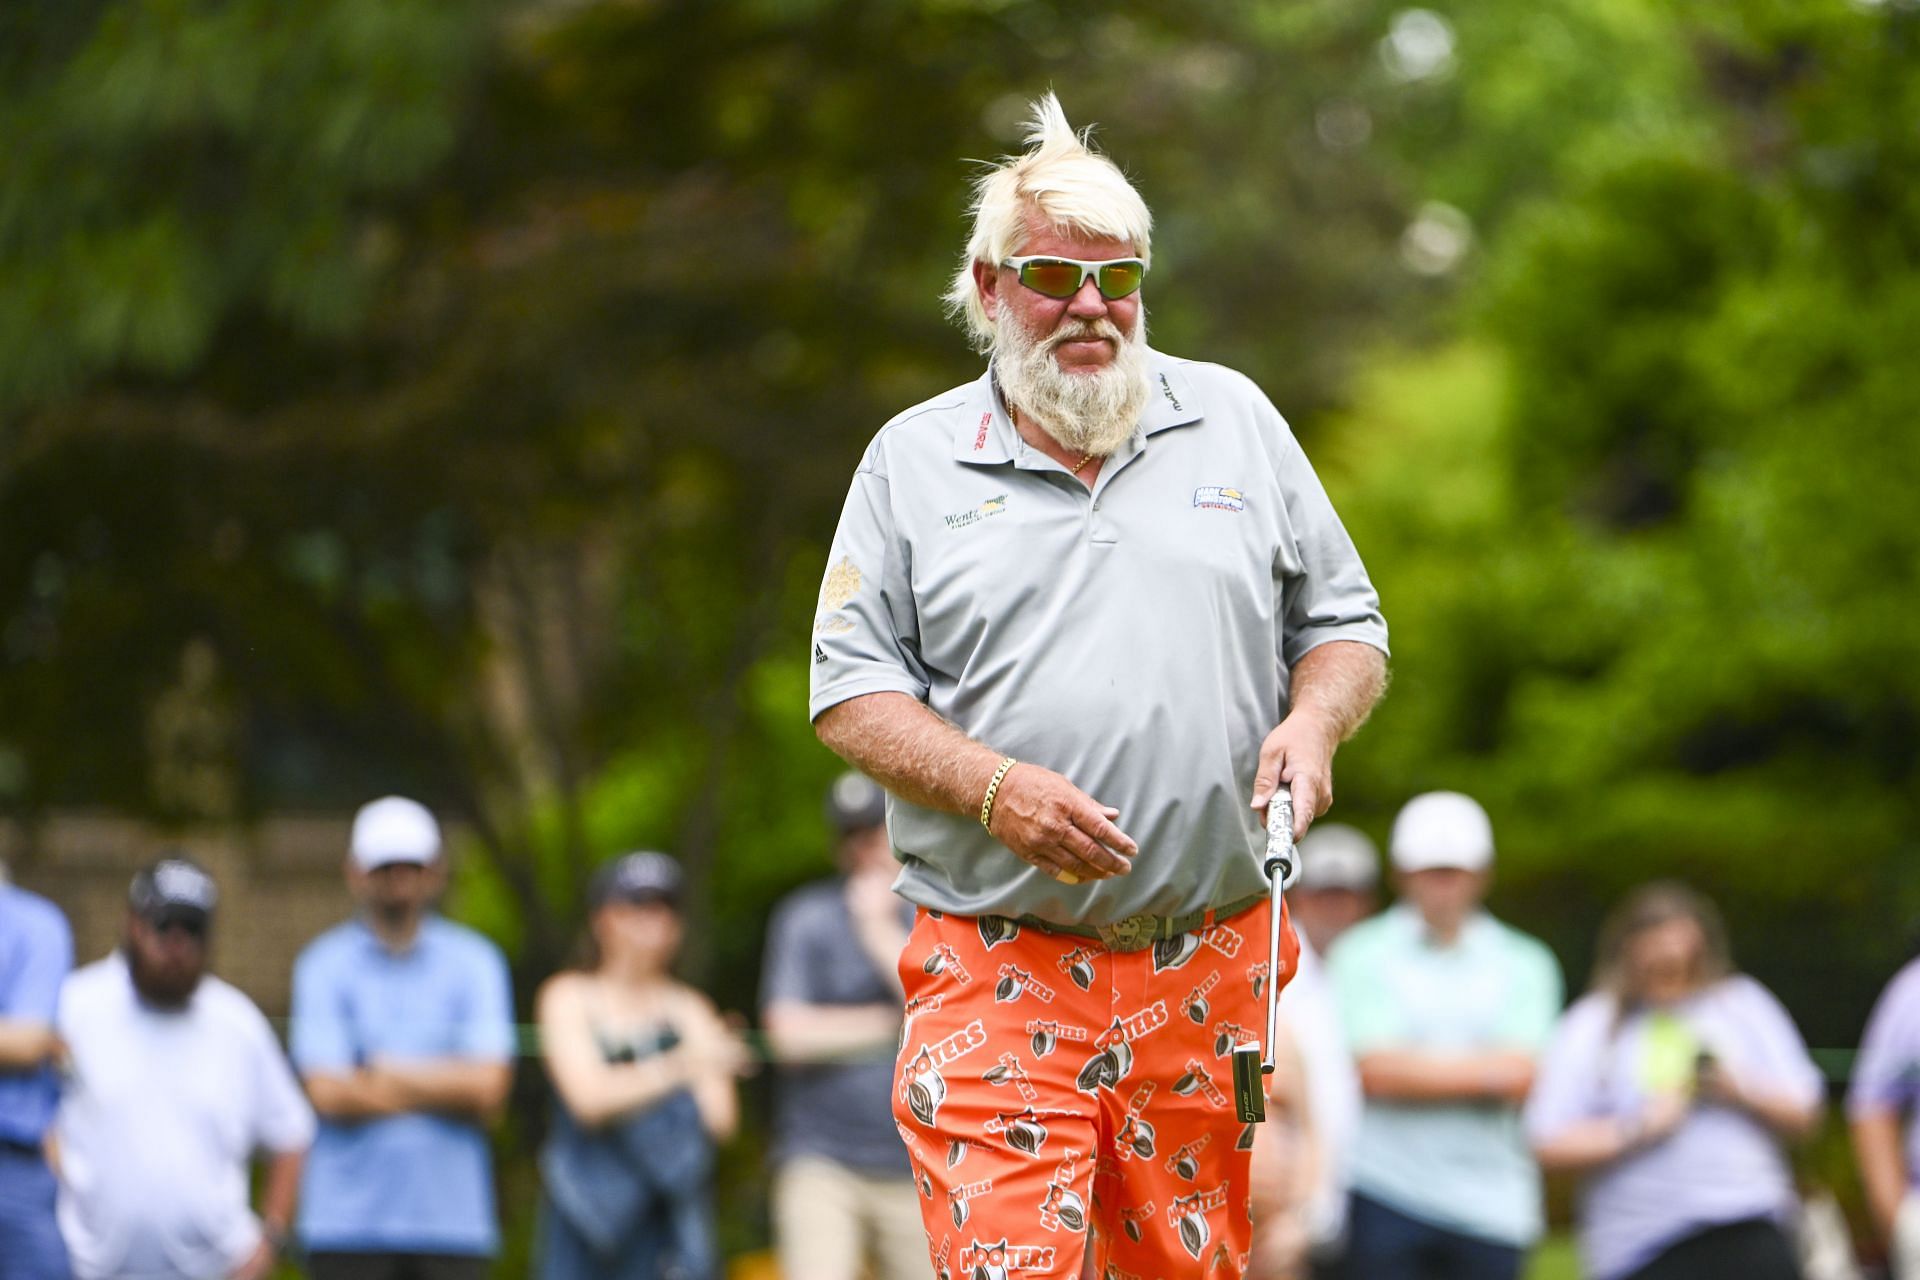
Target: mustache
1083, 330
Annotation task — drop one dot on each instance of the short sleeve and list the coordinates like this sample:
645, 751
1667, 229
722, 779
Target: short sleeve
44, 960
787, 973
1566, 1082
866, 633
282, 1118
1533, 1002
486, 1033
1780, 1052
1367, 1015
1326, 593
321, 1038
1888, 1067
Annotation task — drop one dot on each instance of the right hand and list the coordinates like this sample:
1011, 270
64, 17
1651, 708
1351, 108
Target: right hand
1059, 828
1663, 1113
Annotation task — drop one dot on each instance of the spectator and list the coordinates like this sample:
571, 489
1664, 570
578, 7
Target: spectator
1885, 1079
644, 1070
1668, 1089
176, 1082
1288, 1157
403, 1033
1338, 885
830, 998
36, 950
1310, 1016
1445, 1009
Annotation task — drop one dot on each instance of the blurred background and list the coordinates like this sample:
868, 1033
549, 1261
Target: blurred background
457, 398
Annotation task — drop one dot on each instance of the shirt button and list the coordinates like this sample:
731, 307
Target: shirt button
1096, 506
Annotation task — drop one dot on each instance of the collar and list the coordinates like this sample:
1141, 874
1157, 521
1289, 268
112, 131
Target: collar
1411, 924
985, 434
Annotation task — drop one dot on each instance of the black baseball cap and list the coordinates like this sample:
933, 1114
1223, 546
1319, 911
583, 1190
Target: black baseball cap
855, 802
636, 878
173, 890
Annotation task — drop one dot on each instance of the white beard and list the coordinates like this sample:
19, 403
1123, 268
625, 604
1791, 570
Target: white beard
1085, 412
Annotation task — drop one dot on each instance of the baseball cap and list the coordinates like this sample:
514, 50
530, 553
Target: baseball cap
394, 829
173, 890
855, 802
1336, 856
636, 878
1442, 829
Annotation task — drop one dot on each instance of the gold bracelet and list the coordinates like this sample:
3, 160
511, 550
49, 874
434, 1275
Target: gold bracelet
993, 789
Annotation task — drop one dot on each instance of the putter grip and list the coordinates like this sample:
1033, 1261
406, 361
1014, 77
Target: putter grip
1280, 835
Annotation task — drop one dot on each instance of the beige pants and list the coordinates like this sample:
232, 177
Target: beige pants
1906, 1239
832, 1223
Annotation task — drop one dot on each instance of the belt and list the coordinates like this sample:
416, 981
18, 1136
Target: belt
1137, 933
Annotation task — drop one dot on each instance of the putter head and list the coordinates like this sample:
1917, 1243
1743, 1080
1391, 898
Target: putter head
1281, 855
1249, 1084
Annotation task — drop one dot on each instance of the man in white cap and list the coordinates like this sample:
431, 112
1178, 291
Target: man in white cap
1446, 1010
403, 1033
1338, 885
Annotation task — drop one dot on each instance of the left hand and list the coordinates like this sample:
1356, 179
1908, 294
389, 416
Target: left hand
1299, 755
1715, 1083
259, 1263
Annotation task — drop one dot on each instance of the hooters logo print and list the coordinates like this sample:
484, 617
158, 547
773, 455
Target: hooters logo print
1135, 1136
960, 1199
1062, 1205
1000, 1260
1188, 1214
1016, 982
1172, 953
1114, 1059
995, 930
1077, 964
922, 1087
1023, 1130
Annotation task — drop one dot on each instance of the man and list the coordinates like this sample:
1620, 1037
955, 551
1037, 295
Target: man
403, 1034
1082, 617
830, 999
1446, 1010
36, 950
176, 1081
1886, 1088
1339, 877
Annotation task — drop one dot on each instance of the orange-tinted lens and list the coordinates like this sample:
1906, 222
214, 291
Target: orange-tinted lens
1118, 279
1053, 278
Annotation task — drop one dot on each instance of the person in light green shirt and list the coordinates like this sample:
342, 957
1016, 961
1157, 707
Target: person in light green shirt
1445, 1009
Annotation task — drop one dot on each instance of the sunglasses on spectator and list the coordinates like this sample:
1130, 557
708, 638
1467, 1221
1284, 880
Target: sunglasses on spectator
1062, 277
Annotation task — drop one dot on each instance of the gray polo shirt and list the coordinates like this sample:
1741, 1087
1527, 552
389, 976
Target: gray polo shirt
1136, 638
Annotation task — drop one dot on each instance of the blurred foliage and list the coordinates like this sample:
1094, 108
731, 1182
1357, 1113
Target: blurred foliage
457, 398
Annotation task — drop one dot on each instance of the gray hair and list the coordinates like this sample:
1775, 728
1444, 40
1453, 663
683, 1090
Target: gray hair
1059, 182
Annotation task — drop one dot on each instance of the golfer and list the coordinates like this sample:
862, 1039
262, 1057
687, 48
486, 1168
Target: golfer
1082, 617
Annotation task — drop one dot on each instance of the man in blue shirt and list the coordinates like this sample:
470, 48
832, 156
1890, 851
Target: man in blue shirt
403, 1035
36, 950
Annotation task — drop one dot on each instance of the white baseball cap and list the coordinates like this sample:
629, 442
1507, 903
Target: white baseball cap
1442, 829
394, 829
1336, 856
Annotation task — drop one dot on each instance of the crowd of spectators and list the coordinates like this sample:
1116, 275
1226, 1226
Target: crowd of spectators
152, 1127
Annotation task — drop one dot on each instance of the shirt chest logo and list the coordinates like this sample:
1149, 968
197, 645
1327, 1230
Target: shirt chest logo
994, 506
1219, 497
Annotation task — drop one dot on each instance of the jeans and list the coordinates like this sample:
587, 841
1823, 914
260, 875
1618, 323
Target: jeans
1385, 1244
30, 1244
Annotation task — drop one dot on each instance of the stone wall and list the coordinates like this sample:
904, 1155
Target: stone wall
280, 884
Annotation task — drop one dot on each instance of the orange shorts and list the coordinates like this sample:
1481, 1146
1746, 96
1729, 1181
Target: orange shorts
1057, 1097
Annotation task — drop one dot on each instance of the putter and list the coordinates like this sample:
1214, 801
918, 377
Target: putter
1250, 1066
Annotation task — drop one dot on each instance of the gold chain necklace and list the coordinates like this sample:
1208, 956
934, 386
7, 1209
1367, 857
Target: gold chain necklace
1080, 466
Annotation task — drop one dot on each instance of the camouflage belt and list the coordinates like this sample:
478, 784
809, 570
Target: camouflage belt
1137, 933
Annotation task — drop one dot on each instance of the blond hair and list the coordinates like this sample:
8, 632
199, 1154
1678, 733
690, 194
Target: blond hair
1061, 183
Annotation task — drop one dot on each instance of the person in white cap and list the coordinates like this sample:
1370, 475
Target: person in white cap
1338, 885
1446, 1010
403, 1034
